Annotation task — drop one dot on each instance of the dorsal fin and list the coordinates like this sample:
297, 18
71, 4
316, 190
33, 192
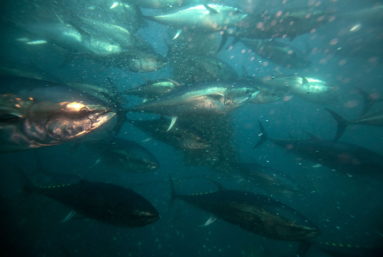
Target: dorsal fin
304, 80
312, 137
210, 9
220, 187
244, 72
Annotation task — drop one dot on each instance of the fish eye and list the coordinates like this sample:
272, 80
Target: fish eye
84, 111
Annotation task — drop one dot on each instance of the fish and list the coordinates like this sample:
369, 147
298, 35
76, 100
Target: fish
279, 53
371, 119
103, 202
72, 38
290, 23
204, 18
209, 99
346, 158
159, 4
189, 68
255, 213
42, 124
268, 178
118, 34
309, 89
124, 154
153, 89
135, 60
266, 96
179, 136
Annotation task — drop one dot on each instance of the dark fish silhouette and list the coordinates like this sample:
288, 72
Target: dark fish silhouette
340, 156
179, 136
267, 178
371, 119
257, 214
125, 155
107, 203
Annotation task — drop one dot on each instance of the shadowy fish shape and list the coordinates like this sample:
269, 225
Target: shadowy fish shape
45, 123
125, 155
209, 99
309, 89
178, 136
255, 213
371, 119
267, 178
279, 53
104, 202
153, 89
344, 157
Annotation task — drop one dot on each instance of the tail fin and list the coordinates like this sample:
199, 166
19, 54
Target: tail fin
342, 124
262, 135
173, 194
368, 101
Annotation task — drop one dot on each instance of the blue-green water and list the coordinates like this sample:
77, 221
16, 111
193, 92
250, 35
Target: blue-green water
310, 55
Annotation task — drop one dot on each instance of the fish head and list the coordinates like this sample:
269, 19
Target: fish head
52, 123
103, 46
295, 232
234, 15
194, 143
137, 211
142, 61
238, 95
266, 96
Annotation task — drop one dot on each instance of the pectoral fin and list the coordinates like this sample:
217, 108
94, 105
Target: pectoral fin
146, 140
69, 216
177, 34
37, 42
174, 119
209, 221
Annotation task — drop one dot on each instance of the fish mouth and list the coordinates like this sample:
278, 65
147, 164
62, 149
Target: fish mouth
101, 119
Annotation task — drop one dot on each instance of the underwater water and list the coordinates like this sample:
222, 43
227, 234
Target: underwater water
191, 128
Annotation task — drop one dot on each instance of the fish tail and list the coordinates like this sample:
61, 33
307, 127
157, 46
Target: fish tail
367, 100
342, 124
173, 194
263, 136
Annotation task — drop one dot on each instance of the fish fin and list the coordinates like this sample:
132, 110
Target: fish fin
174, 82
174, 119
292, 38
312, 136
144, 100
147, 140
368, 102
28, 187
58, 18
262, 135
215, 96
173, 194
220, 187
96, 163
210, 9
36, 42
305, 81
68, 58
317, 165
234, 42
69, 216
179, 31
342, 123
225, 37
303, 247
79, 29
244, 72
209, 221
